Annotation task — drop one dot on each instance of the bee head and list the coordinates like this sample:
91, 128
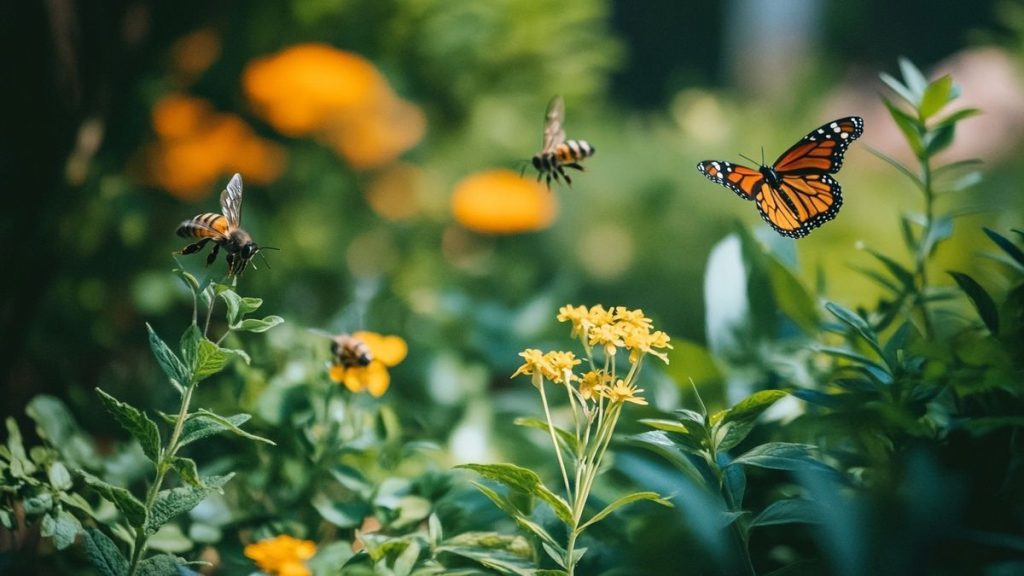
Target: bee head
249, 250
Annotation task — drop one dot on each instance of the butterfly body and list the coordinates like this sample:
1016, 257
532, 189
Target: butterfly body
559, 153
796, 194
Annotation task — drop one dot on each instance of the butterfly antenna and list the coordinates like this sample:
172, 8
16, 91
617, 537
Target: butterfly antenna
762, 155
745, 157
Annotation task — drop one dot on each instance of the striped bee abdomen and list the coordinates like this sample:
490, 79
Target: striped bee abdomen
207, 225
572, 151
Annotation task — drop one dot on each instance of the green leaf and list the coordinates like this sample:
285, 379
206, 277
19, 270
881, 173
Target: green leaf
186, 469
914, 79
622, 501
956, 117
170, 503
524, 480
939, 139
1006, 245
688, 360
239, 353
211, 359
189, 346
983, 303
859, 325
38, 503
136, 423
233, 302
134, 511
567, 438
898, 87
738, 421
160, 565
791, 511
346, 515
507, 507
197, 427
781, 456
912, 130
898, 166
256, 325
229, 425
169, 363
792, 297
65, 529
903, 276
507, 554
104, 554
936, 96
59, 476
658, 442
249, 304
188, 279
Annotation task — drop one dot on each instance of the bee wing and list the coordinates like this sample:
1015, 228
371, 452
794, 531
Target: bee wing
231, 201
554, 131
320, 332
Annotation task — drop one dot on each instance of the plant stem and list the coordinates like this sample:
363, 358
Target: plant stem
539, 381
739, 532
924, 246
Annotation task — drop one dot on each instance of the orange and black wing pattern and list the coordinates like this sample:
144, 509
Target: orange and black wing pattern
796, 194
821, 151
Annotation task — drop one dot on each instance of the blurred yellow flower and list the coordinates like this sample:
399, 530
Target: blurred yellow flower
387, 351
502, 202
337, 97
534, 362
622, 392
282, 555
196, 146
578, 315
394, 193
593, 382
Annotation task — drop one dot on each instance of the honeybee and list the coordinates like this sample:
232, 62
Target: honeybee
350, 351
223, 229
559, 153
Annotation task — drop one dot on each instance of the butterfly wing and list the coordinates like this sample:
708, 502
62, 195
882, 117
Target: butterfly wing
821, 151
799, 204
554, 131
745, 182
231, 201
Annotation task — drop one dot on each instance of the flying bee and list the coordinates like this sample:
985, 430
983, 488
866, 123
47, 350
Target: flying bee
347, 350
350, 351
223, 229
559, 153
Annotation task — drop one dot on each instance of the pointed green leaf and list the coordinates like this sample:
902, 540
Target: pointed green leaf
188, 279
936, 96
507, 507
257, 325
59, 476
229, 425
956, 117
792, 297
134, 511
198, 427
898, 87
737, 422
658, 442
898, 166
186, 469
1006, 245
567, 438
791, 511
913, 79
210, 360
160, 565
939, 139
169, 363
903, 276
136, 423
104, 554
248, 305
622, 501
983, 303
524, 480
912, 130
66, 529
175, 501
232, 301
781, 456
189, 345
854, 321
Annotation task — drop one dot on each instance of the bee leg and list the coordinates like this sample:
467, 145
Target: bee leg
213, 254
568, 180
575, 165
231, 265
195, 247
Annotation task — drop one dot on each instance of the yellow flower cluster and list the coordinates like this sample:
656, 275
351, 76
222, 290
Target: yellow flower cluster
282, 555
609, 329
387, 351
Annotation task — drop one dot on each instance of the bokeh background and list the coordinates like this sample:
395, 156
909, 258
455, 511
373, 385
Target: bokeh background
380, 142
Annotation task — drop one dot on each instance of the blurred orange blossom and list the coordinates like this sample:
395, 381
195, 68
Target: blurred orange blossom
337, 97
502, 202
387, 351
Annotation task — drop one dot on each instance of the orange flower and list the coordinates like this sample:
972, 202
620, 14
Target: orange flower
194, 53
337, 97
394, 192
387, 351
282, 555
196, 146
501, 202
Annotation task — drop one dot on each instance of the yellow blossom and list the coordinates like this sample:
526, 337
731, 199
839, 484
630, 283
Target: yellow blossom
641, 341
578, 315
593, 382
282, 555
622, 392
599, 316
562, 364
501, 202
632, 317
387, 351
534, 362
607, 335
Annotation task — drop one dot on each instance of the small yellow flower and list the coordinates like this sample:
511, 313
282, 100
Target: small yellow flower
639, 342
607, 335
387, 351
578, 315
593, 382
634, 318
282, 555
562, 364
599, 316
534, 362
622, 392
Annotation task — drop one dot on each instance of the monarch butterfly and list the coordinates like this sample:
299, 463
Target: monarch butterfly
795, 194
